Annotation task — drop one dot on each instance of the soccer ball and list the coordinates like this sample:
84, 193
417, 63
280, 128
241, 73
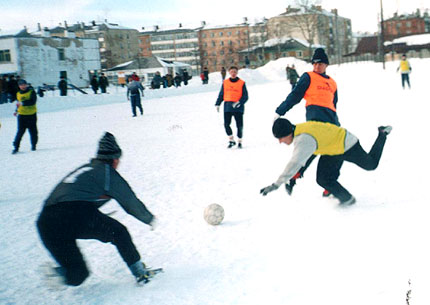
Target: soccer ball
214, 214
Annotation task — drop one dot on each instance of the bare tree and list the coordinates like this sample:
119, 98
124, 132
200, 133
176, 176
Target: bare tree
306, 20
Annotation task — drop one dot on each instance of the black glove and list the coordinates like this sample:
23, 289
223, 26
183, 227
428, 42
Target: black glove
266, 190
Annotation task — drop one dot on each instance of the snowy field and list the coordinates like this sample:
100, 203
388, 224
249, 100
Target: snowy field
299, 250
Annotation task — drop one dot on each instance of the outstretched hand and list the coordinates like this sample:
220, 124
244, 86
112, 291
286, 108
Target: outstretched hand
266, 190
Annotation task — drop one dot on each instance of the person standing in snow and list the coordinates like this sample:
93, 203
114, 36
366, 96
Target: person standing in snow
322, 138
94, 84
223, 73
405, 68
293, 76
320, 92
62, 86
205, 76
103, 82
133, 95
234, 94
26, 114
71, 212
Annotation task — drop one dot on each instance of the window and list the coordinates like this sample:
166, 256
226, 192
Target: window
222, 43
221, 53
213, 43
228, 33
212, 34
61, 55
220, 34
4, 55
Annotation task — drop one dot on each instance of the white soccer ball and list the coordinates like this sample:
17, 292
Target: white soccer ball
214, 214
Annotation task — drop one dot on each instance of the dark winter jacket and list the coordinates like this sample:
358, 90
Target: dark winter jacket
313, 112
62, 85
134, 87
94, 83
228, 107
97, 182
103, 82
293, 76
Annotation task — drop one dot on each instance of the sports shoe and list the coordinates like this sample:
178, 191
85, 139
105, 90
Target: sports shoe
385, 129
33, 148
231, 144
350, 201
14, 151
140, 272
326, 193
239, 145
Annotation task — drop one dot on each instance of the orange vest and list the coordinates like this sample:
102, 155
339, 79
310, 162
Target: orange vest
233, 90
321, 91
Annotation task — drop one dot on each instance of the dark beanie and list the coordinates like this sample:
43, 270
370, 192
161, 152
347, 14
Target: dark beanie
282, 128
320, 56
22, 82
108, 148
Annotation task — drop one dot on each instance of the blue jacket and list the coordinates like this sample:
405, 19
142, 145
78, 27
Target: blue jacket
313, 112
228, 107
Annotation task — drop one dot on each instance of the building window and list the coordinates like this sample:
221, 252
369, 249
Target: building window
213, 43
220, 34
4, 55
61, 55
299, 54
222, 43
212, 34
221, 53
203, 35
228, 33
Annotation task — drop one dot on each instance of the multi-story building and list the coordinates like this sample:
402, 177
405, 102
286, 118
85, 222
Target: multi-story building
118, 44
40, 58
316, 26
405, 25
220, 45
177, 44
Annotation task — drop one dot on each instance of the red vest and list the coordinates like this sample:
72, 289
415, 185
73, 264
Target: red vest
232, 90
321, 91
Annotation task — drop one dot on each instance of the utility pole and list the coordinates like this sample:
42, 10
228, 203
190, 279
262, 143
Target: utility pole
382, 37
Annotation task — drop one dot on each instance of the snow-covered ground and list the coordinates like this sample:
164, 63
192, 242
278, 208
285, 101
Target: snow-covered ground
278, 249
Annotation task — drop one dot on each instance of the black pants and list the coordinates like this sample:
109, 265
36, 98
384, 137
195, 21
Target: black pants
328, 170
103, 89
62, 224
26, 122
238, 117
405, 79
135, 102
63, 92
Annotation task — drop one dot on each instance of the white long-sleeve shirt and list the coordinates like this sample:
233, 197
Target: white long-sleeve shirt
304, 146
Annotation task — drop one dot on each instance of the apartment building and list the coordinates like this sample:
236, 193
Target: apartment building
405, 25
220, 45
175, 44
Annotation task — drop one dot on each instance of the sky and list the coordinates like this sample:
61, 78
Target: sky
147, 13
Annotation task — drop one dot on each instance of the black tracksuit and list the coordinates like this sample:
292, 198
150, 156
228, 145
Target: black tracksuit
71, 213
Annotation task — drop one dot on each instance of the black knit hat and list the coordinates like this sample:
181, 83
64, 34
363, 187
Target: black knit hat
108, 148
282, 128
320, 57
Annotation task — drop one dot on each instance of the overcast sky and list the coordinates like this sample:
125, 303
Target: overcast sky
147, 13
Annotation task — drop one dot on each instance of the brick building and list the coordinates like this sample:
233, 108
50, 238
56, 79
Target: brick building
405, 25
220, 45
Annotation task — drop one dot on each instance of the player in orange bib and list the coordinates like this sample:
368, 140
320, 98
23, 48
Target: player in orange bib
320, 92
234, 94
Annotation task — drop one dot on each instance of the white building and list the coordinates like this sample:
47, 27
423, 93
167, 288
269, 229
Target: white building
43, 59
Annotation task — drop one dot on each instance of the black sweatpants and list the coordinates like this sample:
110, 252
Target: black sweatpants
405, 79
328, 170
26, 122
62, 224
238, 117
135, 102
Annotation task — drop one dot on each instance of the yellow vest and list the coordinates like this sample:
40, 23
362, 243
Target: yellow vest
404, 66
330, 138
25, 110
